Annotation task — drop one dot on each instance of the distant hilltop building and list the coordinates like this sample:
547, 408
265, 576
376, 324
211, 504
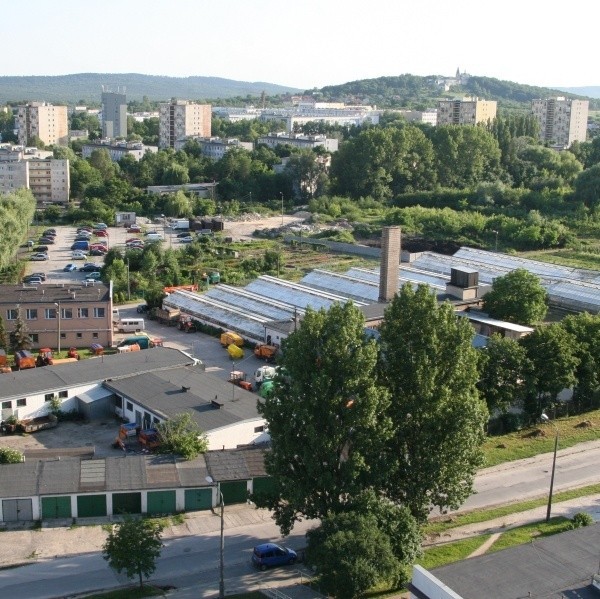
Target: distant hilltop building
114, 114
47, 178
562, 120
44, 121
468, 111
179, 119
447, 83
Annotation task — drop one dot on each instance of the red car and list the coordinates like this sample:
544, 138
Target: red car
134, 229
99, 248
100, 233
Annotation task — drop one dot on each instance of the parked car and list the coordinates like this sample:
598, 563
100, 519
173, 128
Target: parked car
95, 276
39, 257
47, 240
98, 251
89, 280
49, 232
100, 226
70, 267
77, 255
85, 228
100, 233
91, 267
31, 280
138, 243
82, 238
98, 246
182, 235
268, 555
187, 239
142, 309
41, 275
134, 229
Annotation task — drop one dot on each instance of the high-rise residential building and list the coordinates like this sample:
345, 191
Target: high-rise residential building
179, 119
468, 111
114, 115
45, 121
562, 120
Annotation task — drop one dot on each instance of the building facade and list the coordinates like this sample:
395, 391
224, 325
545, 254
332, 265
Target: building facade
114, 115
215, 147
76, 315
468, 111
118, 150
45, 121
299, 141
179, 119
46, 177
562, 120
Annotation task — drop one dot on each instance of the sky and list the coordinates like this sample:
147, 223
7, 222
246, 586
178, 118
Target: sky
303, 44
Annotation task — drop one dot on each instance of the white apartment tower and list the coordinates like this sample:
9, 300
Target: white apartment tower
562, 120
39, 119
468, 111
179, 119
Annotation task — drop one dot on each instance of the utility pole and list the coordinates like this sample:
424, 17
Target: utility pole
281, 192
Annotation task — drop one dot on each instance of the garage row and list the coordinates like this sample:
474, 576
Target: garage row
144, 484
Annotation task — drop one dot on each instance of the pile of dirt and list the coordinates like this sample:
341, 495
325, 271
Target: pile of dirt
585, 424
534, 434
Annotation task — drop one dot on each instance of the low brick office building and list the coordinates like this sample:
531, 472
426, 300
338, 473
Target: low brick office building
77, 315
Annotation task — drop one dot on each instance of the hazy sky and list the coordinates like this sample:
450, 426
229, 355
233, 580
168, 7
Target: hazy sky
303, 43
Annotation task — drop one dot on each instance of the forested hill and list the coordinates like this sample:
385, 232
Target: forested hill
412, 91
87, 87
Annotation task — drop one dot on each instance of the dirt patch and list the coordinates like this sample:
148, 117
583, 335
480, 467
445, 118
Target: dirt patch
534, 434
585, 424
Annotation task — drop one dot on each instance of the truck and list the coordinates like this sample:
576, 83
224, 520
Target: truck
211, 277
231, 338
237, 377
168, 316
263, 374
265, 352
142, 340
180, 224
235, 352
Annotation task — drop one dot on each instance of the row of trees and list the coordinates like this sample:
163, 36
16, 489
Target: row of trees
16, 213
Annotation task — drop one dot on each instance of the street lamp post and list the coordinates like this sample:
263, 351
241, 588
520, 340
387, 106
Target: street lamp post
222, 552
57, 304
128, 285
281, 193
545, 418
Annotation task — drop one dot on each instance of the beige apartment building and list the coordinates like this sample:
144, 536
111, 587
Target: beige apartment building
67, 315
47, 178
179, 119
562, 120
43, 120
468, 111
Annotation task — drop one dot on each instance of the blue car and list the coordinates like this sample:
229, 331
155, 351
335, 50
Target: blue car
268, 555
70, 268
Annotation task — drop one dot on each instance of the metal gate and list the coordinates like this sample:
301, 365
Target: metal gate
89, 506
17, 510
56, 507
198, 499
161, 502
127, 503
234, 491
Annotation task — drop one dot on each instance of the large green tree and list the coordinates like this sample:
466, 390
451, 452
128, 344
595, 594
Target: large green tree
430, 368
517, 297
326, 417
133, 546
182, 435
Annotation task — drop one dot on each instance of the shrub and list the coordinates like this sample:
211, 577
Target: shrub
10, 456
581, 519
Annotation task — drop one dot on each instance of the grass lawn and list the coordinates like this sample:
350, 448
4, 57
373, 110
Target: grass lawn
440, 555
528, 532
129, 593
540, 438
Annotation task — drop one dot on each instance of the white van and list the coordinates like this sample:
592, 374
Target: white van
154, 237
130, 325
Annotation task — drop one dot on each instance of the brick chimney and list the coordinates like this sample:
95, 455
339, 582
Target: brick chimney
390, 263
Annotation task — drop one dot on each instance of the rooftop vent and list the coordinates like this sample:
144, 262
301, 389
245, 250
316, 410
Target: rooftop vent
184, 388
216, 404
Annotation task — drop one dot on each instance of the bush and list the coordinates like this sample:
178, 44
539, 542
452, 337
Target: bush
581, 519
10, 456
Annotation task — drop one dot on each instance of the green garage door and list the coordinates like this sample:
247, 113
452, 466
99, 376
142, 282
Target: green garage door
263, 485
234, 492
127, 503
89, 506
198, 499
161, 502
56, 507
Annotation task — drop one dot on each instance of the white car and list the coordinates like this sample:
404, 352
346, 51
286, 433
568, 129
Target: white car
77, 255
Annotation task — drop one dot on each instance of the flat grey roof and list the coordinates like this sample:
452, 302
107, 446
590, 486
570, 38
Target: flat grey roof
555, 566
162, 393
49, 379
48, 293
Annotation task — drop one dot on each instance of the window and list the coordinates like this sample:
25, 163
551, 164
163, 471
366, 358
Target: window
259, 429
50, 313
118, 402
79, 335
95, 336
83, 313
99, 312
21, 403
12, 314
31, 314
49, 397
63, 335
35, 338
129, 406
66, 313
63, 394
7, 405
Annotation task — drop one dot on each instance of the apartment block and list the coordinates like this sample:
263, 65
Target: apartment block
45, 121
114, 115
118, 150
468, 111
215, 147
299, 141
70, 315
562, 120
179, 119
46, 177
